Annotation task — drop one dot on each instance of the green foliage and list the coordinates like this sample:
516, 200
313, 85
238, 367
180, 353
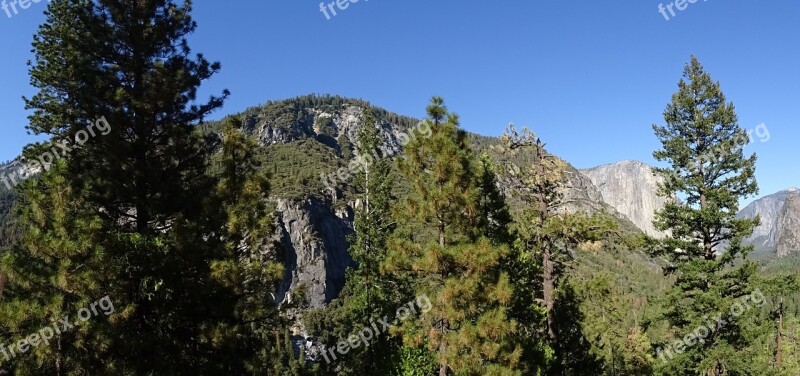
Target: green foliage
367, 296
546, 242
325, 126
295, 167
494, 218
133, 214
249, 266
415, 361
468, 325
285, 362
611, 319
10, 231
703, 146
345, 147
51, 274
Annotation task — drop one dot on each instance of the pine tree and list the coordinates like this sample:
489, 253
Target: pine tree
494, 217
547, 235
708, 173
373, 227
249, 265
136, 220
439, 247
53, 274
618, 340
367, 295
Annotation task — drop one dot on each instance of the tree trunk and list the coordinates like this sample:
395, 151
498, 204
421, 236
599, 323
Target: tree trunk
548, 264
779, 351
58, 357
549, 288
441, 234
443, 348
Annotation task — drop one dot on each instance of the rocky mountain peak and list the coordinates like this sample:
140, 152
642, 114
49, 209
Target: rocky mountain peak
630, 187
779, 231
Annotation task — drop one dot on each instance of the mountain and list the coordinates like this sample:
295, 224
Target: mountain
309, 138
630, 187
779, 232
308, 142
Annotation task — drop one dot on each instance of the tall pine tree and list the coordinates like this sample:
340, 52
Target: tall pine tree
708, 172
547, 238
494, 217
367, 296
135, 213
439, 247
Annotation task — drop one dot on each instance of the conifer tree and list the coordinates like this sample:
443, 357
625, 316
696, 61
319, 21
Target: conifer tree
52, 274
547, 235
249, 264
709, 173
137, 216
373, 227
367, 295
494, 217
439, 246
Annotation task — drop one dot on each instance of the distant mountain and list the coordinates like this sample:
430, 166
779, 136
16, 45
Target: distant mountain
779, 232
630, 187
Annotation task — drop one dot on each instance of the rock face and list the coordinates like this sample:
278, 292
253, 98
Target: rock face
314, 240
581, 195
631, 188
788, 228
313, 232
779, 227
285, 125
15, 172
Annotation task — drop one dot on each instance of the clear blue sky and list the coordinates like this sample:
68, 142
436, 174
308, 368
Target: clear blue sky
590, 77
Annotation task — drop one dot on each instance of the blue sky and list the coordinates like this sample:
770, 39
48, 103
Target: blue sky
590, 77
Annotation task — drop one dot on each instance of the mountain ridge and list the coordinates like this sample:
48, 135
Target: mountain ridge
632, 191
309, 136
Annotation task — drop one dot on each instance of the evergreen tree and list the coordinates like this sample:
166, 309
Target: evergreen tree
345, 147
619, 341
708, 173
547, 235
283, 360
52, 273
249, 265
134, 218
367, 296
373, 226
494, 217
439, 247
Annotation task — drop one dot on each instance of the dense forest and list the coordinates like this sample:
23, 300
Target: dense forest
149, 250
